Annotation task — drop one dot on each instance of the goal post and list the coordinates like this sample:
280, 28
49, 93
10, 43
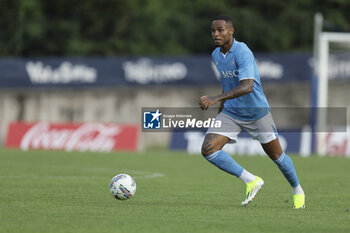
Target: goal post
324, 39
322, 72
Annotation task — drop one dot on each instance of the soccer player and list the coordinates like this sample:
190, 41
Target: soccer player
243, 105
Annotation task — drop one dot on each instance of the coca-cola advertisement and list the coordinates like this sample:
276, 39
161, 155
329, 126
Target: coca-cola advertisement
97, 137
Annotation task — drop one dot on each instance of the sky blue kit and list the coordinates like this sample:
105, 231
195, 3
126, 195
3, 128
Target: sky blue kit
236, 65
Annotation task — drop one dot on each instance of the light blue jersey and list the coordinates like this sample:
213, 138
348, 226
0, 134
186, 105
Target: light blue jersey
238, 64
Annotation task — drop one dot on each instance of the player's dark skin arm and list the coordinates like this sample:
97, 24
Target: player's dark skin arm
222, 102
221, 107
245, 87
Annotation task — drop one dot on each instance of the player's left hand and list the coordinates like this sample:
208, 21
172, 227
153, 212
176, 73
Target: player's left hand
206, 101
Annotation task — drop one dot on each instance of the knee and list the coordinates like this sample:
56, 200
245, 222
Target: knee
213, 143
206, 151
274, 155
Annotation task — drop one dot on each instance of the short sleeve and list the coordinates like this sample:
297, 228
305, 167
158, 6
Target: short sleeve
245, 62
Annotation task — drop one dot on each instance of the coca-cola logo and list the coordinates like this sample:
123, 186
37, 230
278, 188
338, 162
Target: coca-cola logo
87, 137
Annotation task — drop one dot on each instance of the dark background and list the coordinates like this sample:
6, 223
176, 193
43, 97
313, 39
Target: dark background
158, 27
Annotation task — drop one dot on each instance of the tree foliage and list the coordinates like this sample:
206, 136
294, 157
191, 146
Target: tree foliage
157, 27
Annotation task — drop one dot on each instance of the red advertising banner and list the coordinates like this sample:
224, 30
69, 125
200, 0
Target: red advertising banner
72, 137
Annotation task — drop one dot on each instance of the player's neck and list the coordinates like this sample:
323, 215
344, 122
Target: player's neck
226, 47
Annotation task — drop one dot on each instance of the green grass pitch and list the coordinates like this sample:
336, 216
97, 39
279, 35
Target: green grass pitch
48, 191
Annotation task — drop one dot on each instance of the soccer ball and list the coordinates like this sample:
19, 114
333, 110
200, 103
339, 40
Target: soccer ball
122, 187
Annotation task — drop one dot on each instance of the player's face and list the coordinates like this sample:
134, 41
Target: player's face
221, 32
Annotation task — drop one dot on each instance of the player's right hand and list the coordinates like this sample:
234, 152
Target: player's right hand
206, 101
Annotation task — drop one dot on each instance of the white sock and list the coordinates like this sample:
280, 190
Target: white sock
247, 176
298, 190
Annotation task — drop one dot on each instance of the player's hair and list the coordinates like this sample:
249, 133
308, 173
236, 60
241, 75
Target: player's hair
226, 18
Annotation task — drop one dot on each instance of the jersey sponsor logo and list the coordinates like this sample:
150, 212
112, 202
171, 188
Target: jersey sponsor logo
229, 73
65, 73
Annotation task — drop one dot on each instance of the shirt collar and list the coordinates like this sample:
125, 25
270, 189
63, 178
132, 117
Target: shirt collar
233, 46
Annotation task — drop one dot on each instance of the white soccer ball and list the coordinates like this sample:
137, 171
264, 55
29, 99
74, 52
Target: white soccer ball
122, 187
